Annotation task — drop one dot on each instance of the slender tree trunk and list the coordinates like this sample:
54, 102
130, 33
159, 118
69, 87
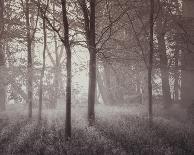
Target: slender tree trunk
1, 19
164, 70
176, 77
57, 65
56, 83
68, 67
145, 92
68, 97
138, 83
107, 81
2, 79
89, 21
92, 88
97, 97
102, 88
92, 64
29, 65
150, 114
42, 71
2, 60
107, 76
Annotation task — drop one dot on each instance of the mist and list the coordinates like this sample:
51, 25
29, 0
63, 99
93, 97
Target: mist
94, 77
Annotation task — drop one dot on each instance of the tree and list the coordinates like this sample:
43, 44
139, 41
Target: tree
187, 63
43, 67
161, 26
89, 23
176, 76
2, 59
66, 43
57, 63
151, 60
29, 65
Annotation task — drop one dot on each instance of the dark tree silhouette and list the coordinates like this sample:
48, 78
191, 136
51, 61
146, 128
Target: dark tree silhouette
151, 61
66, 43
2, 58
43, 67
89, 21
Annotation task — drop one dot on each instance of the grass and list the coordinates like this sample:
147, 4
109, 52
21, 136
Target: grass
118, 130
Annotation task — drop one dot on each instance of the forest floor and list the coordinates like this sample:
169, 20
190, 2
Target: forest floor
117, 130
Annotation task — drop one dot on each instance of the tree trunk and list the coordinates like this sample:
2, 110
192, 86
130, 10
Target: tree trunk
102, 88
2, 60
150, 115
164, 70
138, 84
187, 89
68, 67
56, 85
29, 66
145, 92
176, 77
89, 21
68, 97
92, 64
92, 88
107, 76
42, 71
57, 65
2, 5
187, 65
2, 79
107, 81
104, 85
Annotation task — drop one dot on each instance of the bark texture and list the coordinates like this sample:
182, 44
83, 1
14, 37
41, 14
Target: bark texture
29, 65
89, 25
2, 60
68, 67
42, 71
150, 114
